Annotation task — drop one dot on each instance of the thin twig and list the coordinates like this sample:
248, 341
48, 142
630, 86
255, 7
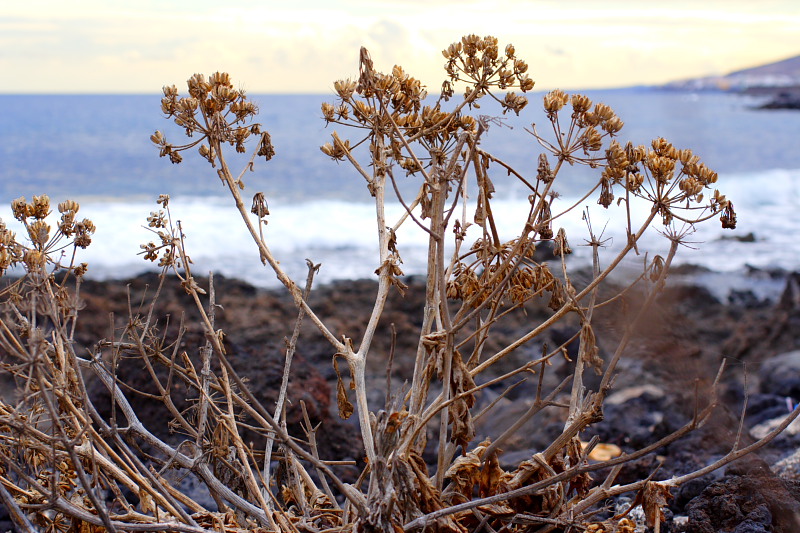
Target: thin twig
287, 366
205, 372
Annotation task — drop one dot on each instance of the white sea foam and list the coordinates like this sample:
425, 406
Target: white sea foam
342, 235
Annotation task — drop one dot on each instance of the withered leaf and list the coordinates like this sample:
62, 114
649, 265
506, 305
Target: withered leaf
589, 350
497, 510
346, 408
493, 479
429, 496
461, 381
480, 213
466, 472
463, 427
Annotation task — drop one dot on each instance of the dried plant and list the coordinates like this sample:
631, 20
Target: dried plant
65, 467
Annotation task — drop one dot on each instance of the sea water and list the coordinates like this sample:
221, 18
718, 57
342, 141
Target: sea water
96, 149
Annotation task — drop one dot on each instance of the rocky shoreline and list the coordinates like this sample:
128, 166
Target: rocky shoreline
687, 335
776, 97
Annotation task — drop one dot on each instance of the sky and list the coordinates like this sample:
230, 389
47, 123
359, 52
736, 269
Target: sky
137, 46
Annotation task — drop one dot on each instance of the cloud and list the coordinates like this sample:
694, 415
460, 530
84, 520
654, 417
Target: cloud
98, 46
555, 50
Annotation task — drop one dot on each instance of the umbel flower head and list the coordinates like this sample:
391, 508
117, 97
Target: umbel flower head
674, 181
418, 133
213, 114
43, 245
476, 59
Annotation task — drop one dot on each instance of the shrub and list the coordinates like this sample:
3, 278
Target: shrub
66, 467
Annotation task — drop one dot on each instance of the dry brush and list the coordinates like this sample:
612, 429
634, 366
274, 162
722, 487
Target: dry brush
66, 467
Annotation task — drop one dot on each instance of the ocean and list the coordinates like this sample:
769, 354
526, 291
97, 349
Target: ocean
96, 149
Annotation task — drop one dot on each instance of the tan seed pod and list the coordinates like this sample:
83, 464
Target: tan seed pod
68, 205
580, 103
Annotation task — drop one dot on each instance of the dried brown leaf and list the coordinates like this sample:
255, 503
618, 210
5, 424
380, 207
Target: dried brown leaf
461, 381
589, 350
463, 430
430, 499
497, 510
493, 479
464, 474
346, 408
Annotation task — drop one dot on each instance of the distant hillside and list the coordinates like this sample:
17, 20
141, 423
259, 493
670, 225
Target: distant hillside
780, 74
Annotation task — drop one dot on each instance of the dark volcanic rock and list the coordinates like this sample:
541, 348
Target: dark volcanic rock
772, 330
666, 373
744, 504
788, 99
256, 324
781, 375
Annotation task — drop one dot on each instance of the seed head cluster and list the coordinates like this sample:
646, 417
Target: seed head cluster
213, 114
389, 103
42, 246
479, 62
166, 249
673, 180
475, 282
